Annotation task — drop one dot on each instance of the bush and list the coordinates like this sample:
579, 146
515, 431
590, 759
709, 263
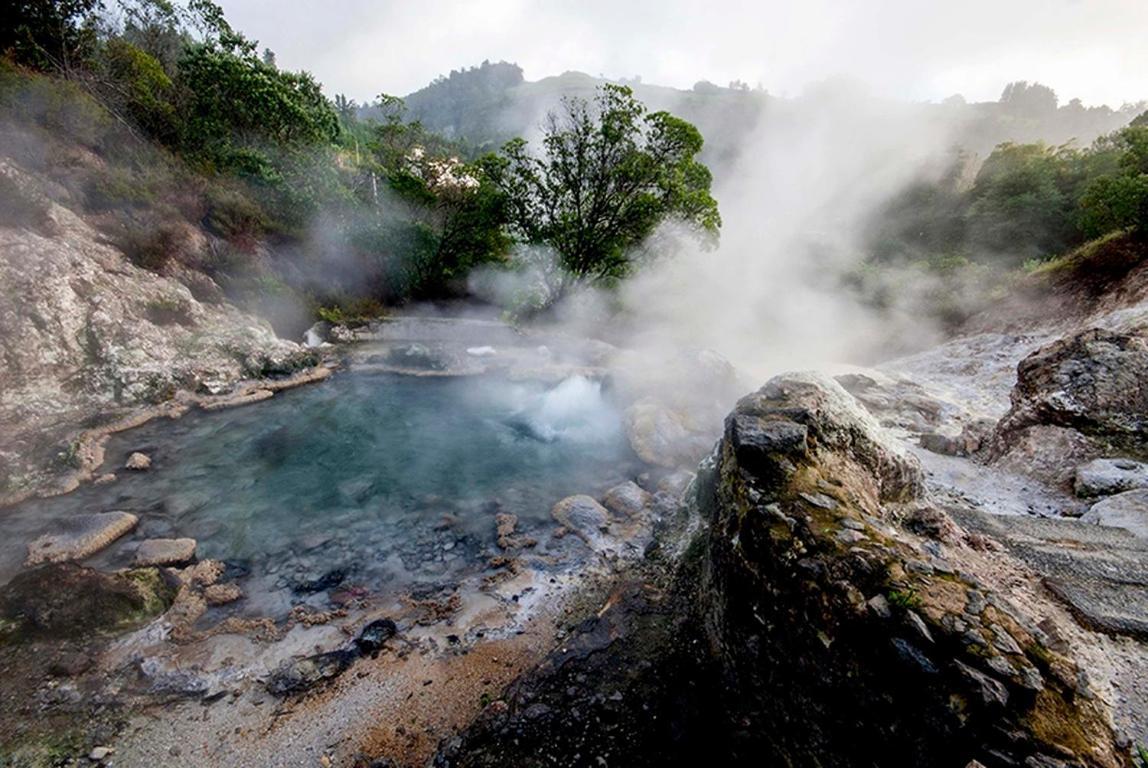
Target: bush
115, 189
150, 245
20, 207
233, 215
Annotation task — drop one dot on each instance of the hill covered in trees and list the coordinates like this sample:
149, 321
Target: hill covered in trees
488, 104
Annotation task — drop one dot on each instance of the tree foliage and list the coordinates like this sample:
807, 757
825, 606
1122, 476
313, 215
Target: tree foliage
609, 175
57, 34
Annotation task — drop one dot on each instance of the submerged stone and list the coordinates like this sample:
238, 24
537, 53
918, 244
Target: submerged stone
165, 552
80, 536
328, 580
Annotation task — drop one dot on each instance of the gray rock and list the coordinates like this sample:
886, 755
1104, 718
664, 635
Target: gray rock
1104, 477
1084, 390
581, 514
165, 552
80, 536
664, 436
1128, 510
298, 675
627, 499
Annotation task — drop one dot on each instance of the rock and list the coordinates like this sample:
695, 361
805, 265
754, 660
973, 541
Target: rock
374, 636
663, 437
781, 598
328, 580
1104, 477
138, 462
296, 676
99, 754
165, 552
68, 600
1128, 510
71, 665
91, 329
418, 357
80, 536
582, 515
627, 500
1089, 383
222, 594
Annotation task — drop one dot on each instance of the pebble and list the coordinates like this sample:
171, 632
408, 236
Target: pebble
99, 754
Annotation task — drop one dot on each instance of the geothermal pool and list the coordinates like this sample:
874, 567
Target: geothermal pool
383, 481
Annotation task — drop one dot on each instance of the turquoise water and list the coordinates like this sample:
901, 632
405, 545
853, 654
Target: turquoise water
392, 479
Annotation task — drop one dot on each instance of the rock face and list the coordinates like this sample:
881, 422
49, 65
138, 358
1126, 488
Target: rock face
820, 608
1128, 510
807, 624
1077, 398
91, 332
80, 536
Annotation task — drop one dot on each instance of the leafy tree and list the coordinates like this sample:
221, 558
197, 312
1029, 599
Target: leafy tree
236, 104
1023, 201
49, 34
1120, 200
1029, 100
611, 173
139, 81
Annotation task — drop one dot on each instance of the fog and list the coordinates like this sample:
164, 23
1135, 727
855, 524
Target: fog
900, 48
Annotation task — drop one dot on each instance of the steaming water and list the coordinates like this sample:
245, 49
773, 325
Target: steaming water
395, 480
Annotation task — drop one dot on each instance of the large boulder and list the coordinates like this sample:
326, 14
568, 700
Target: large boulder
1075, 399
821, 603
65, 600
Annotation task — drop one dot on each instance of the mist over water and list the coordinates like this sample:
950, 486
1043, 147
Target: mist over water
395, 480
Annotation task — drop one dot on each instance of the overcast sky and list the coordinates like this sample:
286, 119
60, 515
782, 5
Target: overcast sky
1096, 50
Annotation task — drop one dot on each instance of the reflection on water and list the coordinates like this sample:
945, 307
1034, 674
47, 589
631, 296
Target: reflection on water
387, 478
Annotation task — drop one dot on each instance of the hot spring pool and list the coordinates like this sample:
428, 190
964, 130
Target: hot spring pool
393, 480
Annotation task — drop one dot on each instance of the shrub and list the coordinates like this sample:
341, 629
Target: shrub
233, 215
114, 188
149, 245
20, 207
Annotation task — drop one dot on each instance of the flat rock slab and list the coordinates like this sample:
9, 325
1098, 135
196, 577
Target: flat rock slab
165, 552
80, 536
1104, 477
1099, 572
1128, 510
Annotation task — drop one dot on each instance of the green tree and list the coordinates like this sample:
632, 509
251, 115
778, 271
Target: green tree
236, 105
1120, 200
609, 175
49, 34
1023, 201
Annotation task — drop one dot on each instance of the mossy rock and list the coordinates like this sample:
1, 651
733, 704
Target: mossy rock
65, 600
